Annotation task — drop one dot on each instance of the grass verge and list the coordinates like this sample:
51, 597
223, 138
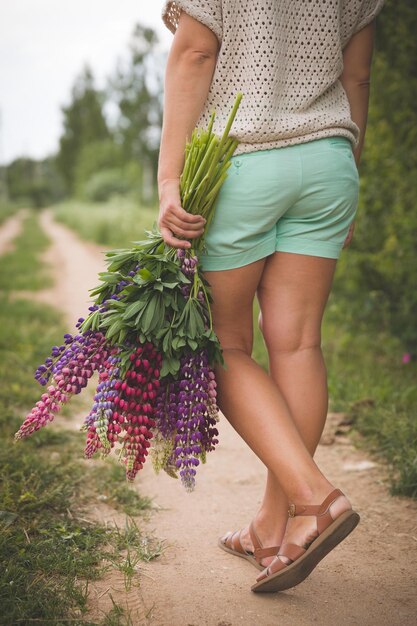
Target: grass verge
116, 223
7, 209
368, 380
49, 552
17, 268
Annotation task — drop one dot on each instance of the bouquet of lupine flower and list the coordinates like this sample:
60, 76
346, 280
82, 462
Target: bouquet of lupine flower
149, 336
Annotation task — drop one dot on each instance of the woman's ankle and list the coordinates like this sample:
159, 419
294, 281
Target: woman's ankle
270, 523
312, 494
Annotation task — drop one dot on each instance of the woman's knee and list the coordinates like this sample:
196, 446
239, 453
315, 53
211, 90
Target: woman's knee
289, 334
235, 338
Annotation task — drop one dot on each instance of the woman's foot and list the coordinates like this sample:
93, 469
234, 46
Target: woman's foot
312, 531
302, 530
258, 545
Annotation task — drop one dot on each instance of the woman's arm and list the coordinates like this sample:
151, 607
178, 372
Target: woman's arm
189, 72
356, 76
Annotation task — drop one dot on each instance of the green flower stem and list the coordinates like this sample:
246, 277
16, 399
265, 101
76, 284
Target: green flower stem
200, 172
218, 153
208, 305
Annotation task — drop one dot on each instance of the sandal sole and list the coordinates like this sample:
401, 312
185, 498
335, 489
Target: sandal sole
247, 557
298, 571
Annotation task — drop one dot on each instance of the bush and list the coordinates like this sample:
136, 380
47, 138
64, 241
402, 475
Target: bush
377, 277
103, 185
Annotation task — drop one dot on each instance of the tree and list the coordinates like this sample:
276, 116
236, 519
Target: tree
84, 123
35, 183
136, 90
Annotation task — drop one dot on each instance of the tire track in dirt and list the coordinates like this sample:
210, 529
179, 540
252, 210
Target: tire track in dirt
369, 580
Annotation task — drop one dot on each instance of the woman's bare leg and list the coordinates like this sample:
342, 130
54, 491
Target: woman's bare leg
291, 324
252, 401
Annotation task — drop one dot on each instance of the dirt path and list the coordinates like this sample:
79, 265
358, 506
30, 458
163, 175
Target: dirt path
369, 580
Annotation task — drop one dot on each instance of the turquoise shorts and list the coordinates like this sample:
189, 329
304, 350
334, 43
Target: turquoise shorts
299, 199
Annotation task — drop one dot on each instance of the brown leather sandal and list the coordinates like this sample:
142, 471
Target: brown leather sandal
231, 543
279, 575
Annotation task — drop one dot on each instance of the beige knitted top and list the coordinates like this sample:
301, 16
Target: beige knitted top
285, 56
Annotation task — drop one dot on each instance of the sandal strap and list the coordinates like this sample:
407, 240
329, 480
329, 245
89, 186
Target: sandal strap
314, 509
321, 511
233, 541
290, 551
259, 551
254, 537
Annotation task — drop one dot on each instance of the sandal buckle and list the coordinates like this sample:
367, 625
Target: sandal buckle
291, 510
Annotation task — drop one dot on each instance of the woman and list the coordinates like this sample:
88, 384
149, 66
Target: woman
282, 218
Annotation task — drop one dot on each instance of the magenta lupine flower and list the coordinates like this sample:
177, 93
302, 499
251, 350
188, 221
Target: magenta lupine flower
406, 358
136, 402
123, 409
80, 363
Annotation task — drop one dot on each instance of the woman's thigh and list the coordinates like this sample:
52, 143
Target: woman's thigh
293, 293
232, 308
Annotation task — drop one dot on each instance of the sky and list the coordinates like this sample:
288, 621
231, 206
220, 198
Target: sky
44, 45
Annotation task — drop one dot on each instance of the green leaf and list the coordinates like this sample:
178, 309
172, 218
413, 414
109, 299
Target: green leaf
148, 314
114, 329
178, 342
170, 285
133, 308
111, 278
122, 336
167, 342
146, 275
170, 366
87, 323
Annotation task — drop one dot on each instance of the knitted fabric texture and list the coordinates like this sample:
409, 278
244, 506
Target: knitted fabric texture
285, 56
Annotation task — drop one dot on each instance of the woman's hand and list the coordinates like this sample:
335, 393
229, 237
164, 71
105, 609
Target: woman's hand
349, 235
173, 221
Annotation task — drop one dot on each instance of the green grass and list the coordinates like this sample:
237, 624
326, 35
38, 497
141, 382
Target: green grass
368, 380
7, 209
109, 479
17, 267
48, 551
115, 224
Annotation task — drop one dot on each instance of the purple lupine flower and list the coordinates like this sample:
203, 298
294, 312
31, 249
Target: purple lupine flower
185, 414
62, 355
189, 268
102, 428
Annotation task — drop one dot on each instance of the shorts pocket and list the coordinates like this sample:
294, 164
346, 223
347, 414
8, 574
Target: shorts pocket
343, 146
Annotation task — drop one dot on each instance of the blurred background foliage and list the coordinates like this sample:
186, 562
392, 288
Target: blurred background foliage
378, 276
110, 137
